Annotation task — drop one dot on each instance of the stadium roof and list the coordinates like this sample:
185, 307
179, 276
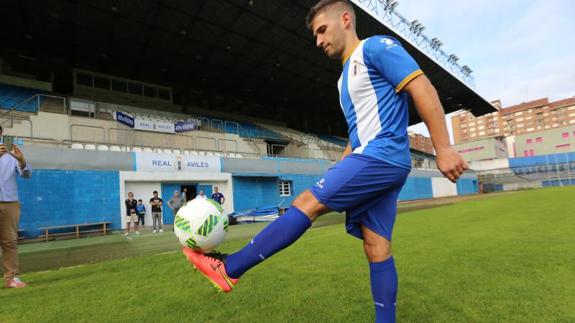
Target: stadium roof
248, 57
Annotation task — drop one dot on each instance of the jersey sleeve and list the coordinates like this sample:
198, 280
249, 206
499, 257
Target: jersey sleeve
388, 57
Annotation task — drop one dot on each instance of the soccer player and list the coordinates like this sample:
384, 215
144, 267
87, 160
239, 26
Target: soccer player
378, 76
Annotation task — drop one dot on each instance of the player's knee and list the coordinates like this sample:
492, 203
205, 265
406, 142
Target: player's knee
308, 204
377, 251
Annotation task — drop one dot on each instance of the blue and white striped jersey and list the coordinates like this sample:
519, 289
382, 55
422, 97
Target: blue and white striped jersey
376, 109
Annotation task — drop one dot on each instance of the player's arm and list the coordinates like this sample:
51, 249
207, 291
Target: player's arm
346, 151
429, 108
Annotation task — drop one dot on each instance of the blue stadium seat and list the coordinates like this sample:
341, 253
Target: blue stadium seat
12, 96
254, 131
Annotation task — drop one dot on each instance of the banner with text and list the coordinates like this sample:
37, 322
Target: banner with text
186, 125
125, 119
150, 162
154, 125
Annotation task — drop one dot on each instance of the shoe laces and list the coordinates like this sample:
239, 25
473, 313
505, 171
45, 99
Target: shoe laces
216, 255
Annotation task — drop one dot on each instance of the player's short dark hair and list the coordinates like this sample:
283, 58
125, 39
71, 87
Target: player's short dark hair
321, 5
140, 200
155, 192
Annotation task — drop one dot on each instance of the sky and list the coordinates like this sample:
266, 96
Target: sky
519, 50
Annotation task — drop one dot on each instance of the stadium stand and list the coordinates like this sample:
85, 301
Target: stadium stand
18, 98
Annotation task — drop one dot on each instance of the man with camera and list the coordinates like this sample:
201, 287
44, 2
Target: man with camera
12, 164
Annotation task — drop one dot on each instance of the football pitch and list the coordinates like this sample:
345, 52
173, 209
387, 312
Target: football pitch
497, 258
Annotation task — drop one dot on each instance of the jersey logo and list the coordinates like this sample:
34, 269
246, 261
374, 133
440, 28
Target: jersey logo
388, 43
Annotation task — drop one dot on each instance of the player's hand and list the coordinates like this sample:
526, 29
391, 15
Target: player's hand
450, 163
3, 149
17, 153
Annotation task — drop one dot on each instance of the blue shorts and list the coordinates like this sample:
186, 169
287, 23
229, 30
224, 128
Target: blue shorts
367, 189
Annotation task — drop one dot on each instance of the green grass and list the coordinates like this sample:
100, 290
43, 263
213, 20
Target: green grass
504, 258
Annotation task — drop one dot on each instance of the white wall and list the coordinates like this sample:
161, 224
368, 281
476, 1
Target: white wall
522, 186
489, 164
142, 184
142, 190
510, 141
51, 125
443, 187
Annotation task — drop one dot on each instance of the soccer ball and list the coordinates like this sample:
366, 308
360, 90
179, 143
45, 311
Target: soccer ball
201, 225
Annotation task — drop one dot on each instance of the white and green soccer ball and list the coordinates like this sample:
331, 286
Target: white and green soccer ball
201, 225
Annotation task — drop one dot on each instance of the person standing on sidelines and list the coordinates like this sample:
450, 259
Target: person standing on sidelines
176, 202
131, 204
141, 212
12, 164
156, 203
217, 196
201, 195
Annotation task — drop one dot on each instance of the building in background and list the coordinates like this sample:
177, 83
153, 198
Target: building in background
521, 119
483, 149
552, 141
420, 143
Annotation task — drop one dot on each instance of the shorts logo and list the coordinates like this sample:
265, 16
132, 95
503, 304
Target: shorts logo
320, 183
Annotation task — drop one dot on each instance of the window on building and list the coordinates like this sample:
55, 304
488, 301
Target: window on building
285, 188
531, 152
84, 79
119, 86
539, 140
135, 88
529, 141
89, 79
150, 91
276, 148
565, 135
101, 83
164, 94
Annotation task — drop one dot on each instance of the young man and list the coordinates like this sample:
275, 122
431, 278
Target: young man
201, 195
217, 196
176, 202
141, 212
12, 165
131, 216
377, 77
156, 203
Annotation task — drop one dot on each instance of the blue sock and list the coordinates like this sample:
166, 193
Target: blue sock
277, 235
384, 289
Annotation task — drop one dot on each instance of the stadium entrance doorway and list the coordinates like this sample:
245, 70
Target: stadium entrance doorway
192, 191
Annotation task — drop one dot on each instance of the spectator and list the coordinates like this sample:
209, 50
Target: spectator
12, 163
185, 194
176, 202
217, 196
131, 204
141, 212
201, 195
156, 203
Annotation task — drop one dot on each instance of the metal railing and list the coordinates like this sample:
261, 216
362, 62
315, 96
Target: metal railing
37, 98
384, 12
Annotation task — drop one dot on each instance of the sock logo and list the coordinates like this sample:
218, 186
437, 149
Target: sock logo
262, 256
320, 183
379, 304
